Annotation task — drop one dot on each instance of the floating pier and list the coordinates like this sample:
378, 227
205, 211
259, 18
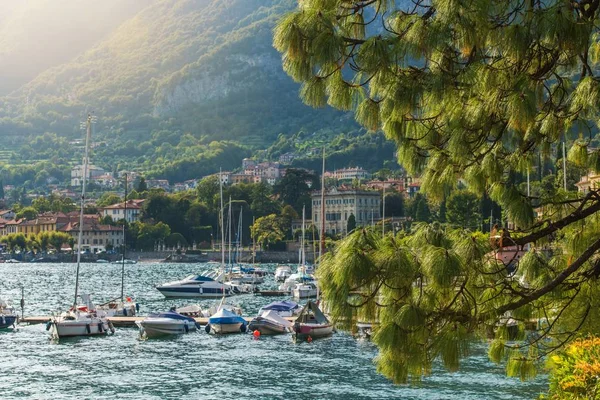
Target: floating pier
124, 322
272, 293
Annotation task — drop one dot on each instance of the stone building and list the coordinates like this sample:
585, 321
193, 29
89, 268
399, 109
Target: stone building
341, 203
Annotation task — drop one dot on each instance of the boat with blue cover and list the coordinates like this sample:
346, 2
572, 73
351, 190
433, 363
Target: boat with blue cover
166, 323
285, 308
203, 285
226, 321
8, 316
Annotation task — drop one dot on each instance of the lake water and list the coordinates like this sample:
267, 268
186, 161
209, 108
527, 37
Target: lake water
201, 365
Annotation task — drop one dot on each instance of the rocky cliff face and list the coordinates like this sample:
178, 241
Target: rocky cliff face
242, 73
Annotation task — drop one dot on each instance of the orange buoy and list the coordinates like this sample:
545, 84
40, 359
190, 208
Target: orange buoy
309, 339
256, 334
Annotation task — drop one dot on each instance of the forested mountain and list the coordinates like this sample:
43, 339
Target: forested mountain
173, 77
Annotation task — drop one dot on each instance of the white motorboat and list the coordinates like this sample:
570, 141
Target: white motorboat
195, 286
270, 323
305, 290
312, 323
282, 273
168, 323
102, 261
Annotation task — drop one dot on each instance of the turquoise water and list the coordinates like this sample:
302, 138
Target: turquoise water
201, 365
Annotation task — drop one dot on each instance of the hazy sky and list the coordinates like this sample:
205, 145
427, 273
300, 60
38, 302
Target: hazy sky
38, 34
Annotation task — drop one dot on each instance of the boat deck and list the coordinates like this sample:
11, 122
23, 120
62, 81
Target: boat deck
125, 322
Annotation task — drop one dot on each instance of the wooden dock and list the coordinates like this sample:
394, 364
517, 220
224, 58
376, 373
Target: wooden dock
124, 322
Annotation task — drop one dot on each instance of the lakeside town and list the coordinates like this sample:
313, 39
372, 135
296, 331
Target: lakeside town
350, 192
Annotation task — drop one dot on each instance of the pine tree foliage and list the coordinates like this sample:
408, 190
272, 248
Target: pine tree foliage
477, 90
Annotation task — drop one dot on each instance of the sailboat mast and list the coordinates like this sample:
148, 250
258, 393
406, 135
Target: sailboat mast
222, 223
303, 258
123, 260
84, 183
383, 213
229, 233
253, 245
322, 231
238, 256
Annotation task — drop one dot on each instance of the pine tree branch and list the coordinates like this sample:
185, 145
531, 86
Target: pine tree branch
575, 216
584, 257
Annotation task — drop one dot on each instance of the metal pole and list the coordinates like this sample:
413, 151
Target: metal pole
22, 302
84, 183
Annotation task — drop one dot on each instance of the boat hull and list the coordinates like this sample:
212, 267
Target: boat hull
221, 328
303, 331
191, 293
6, 321
267, 327
80, 328
158, 328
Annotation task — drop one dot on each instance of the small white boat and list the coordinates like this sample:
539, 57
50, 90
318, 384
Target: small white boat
118, 308
282, 273
305, 290
12, 260
270, 323
226, 321
311, 323
102, 261
168, 323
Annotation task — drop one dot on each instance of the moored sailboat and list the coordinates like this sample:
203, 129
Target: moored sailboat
311, 323
81, 321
